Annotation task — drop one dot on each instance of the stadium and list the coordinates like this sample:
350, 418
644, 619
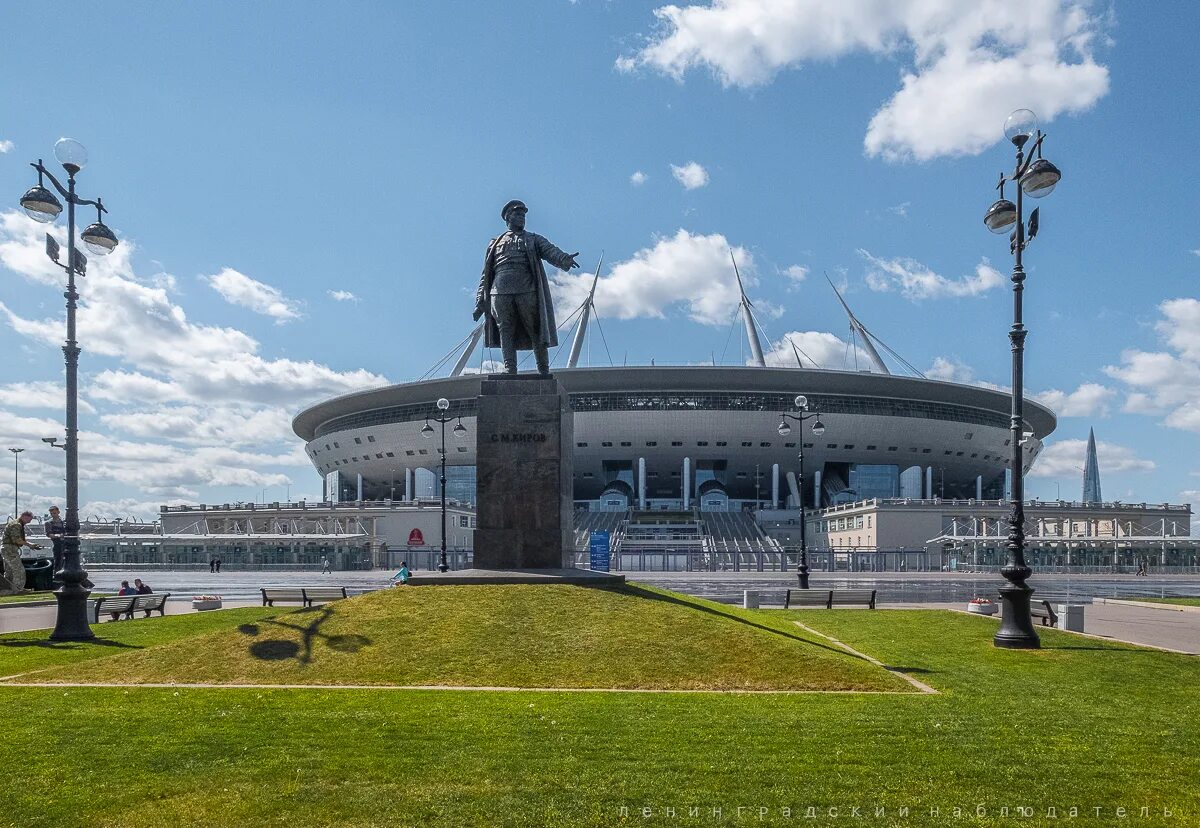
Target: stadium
697, 437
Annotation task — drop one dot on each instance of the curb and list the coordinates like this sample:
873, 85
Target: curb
1146, 604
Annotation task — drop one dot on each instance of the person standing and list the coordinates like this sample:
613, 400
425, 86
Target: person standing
218, 566
212, 564
14, 538
56, 530
325, 569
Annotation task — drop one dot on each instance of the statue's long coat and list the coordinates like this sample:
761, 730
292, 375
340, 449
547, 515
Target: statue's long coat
537, 248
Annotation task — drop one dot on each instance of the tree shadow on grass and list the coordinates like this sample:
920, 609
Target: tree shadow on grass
639, 592
277, 649
47, 644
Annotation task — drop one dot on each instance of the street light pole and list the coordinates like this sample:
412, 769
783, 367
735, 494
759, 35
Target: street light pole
443, 417
1035, 178
16, 478
817, 429
41, 205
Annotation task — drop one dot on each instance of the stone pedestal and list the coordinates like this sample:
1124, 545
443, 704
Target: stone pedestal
523, 473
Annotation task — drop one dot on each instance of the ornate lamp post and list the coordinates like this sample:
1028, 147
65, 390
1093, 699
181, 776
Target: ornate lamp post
16, 478
817, 429
42, 205
1033, 177
459, 430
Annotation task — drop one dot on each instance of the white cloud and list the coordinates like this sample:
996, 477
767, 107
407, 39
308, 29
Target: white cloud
178, 407
6, 146
39, 394
489, 366
638, 178
967, 64
685, 270
818, 349
1167, 383
691, 175
1088, 400
1064, 458
239, 289
342, 296
901, 209
915, 281
951, 370
796, 273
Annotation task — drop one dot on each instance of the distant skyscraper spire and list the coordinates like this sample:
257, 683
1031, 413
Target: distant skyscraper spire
1091, 472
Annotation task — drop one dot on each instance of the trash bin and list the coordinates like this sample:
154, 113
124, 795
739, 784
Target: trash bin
39, 573
750, 599
1070, 617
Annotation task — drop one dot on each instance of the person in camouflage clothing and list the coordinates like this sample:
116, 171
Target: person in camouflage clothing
10, 549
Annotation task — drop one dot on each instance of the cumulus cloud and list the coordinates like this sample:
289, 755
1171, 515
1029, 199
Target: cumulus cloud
966, 65
691, 175
638, 178
915, 281
1088, 400
1064, 458
900, 209
175, 407
688, 271
951, 370
815, 349
1166, 383
6, 146
342, 296
239, 289
796, 273
39, 394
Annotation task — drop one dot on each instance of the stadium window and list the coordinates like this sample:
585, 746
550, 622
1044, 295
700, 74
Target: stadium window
808, 445
626, 444
370, 439
958, 454
892, 448
327, 446
741, 474
379, 456
970, 434
848, 447
747, 444
581, 445
674, 474
702, 442
789, 445
391, 454
409, 452
926, 451
462, 449
870, 448
973, 456
722, 443
422, 451
358, 441
764, 445
651, 443
335, 445
676, 443
606, 444
588, 474
831, 445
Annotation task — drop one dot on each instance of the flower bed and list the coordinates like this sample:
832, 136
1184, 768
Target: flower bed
982, 606
206, 602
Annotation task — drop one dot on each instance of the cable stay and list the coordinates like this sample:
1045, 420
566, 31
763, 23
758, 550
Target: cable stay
472, 337
756, 350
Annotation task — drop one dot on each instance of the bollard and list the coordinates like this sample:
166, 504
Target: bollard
750, 599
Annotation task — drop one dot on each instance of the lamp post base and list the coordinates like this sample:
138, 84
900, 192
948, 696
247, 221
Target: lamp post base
71, 623
803, 572
1016, 625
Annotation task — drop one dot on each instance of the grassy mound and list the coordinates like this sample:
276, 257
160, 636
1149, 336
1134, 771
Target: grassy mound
502, 636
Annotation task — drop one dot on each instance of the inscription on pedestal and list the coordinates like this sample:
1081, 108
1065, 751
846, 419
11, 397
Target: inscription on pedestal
523, 474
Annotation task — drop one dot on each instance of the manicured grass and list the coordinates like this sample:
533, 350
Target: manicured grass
1081, 723
505, 636
1185, 602
44, 595
25, 597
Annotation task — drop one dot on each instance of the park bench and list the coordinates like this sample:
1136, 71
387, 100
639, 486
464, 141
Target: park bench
301, 595
127, 605
1043, 611
828, 598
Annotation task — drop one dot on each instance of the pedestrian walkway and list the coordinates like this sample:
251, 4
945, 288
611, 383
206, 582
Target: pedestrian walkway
23, 619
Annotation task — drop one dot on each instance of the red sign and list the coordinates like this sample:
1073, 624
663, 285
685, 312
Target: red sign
415, 538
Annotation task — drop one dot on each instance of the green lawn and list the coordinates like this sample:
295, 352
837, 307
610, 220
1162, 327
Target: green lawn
512, 636
1082, 723
1186, 602
44, 595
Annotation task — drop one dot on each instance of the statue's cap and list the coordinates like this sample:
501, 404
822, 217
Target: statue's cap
512, 205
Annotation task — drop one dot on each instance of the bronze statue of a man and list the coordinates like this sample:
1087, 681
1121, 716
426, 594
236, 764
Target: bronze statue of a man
514, 293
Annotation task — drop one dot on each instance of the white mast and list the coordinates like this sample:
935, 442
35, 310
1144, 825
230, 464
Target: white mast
584, 317
466, 354
862, 332
756, 350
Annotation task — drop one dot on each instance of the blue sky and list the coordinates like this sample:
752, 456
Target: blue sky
260, 158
